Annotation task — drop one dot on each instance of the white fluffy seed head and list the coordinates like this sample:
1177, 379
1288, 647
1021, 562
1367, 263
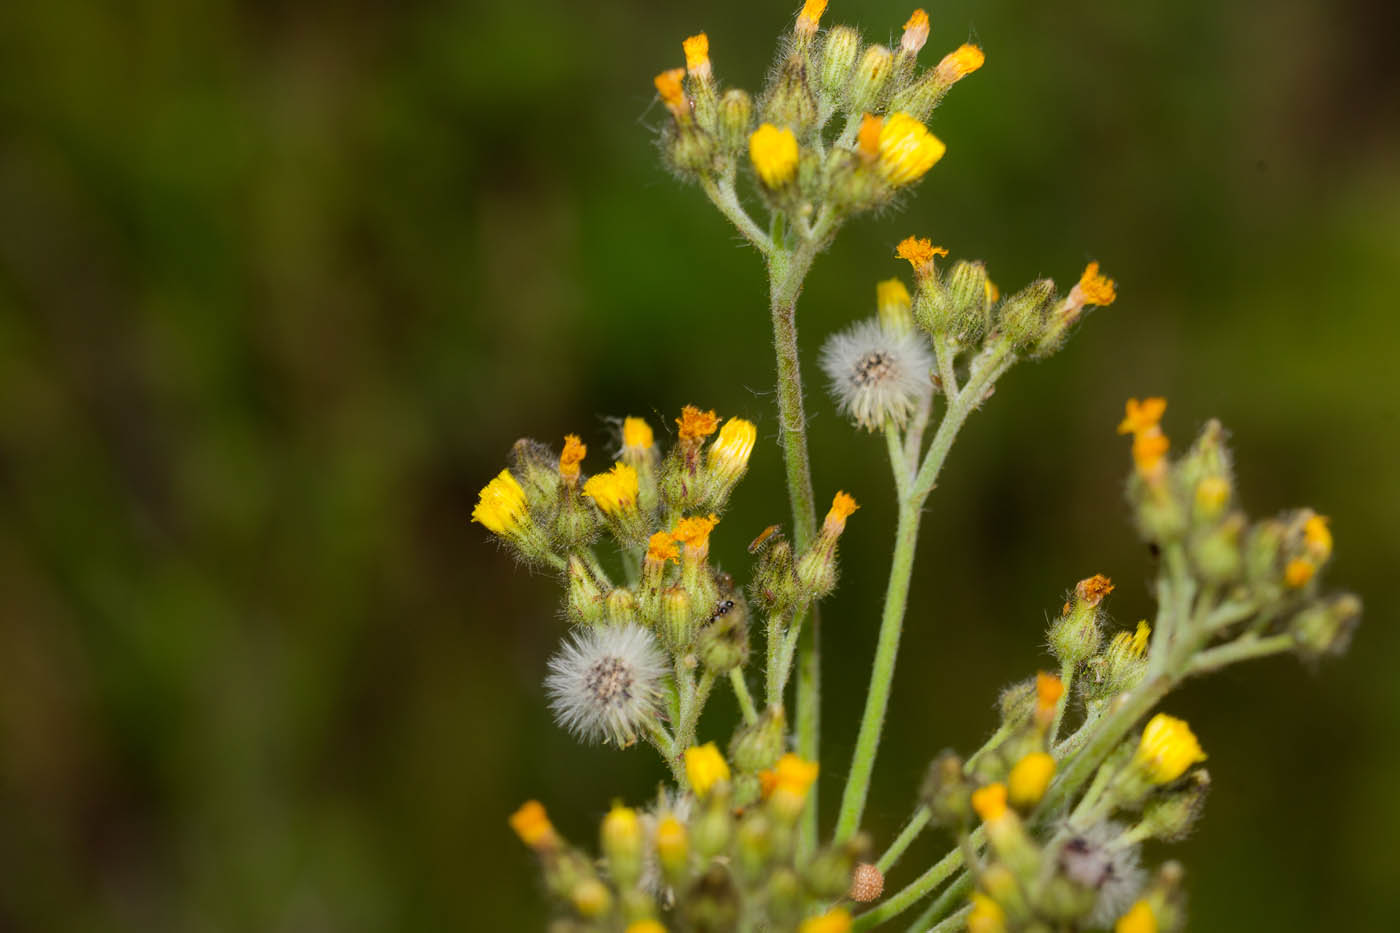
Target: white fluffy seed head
605, 683
1096, 859
876, 373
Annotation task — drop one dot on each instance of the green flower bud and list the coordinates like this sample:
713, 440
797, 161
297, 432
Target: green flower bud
774, 588
1023, 314
1216, 551
1017, 703
1075, 635
754, 844
576, 524
621, 838
790, 102
587, 602
1171, 816
838, 58
866, 89
785, 900
712, 829
967, 290
1326, 628
828, 875
621, 606
946, 790
724, 636
677, 618
757, 747
536, 466
712, 904
735, 121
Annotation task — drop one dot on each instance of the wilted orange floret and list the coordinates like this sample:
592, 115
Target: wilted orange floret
990, 802
661, 547
1096, 289
697, 53
532, 825
843, 506
920, 252
868, 140
915, 31
668, 85
1142, 415
1048, 690
1094, 589
694, 532
696, 424
1317, 537
961, 62
811, 12
1298, 572
1149, 447
574, 452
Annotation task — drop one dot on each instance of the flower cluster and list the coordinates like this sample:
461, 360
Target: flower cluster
1048, 817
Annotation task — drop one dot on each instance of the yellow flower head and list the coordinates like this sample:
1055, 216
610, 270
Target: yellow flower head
868, 139
694, 532
532, 825
915, 32
960, 63
704, 768
645, 926
696, 425
990, 802
615, 492
809, 17
1317, 537
986, 915
636, 434
1138, 919
843, 506
907, 149
893, 303
622, 828
1096, 289
1048, 690
891, 293
668, 85
1212, 493
731, 450
1298, 572
590, 897
1141, 416
1168, 747
671, 839
574, 452
1094, 589
661, 547
774, 154
833, 921
697, 55
1140, 638
920, 252
501, 505
1029, 778
788, 783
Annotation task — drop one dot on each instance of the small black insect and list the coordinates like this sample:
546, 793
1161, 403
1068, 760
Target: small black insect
722, 609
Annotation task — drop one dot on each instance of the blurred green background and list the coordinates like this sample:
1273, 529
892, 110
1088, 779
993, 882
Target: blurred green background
281, 283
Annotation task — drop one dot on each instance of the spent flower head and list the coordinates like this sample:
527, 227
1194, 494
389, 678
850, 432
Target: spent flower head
877, 374
605, 683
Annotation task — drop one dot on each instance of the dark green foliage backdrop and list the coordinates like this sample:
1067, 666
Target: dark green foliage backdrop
281, 283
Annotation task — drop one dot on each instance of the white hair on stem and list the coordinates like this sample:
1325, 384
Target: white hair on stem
605, 683
877, 373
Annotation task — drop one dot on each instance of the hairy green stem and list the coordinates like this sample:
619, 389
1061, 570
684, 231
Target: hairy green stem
741, 693
953, 894
906, 837
1244, 648
722, 194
